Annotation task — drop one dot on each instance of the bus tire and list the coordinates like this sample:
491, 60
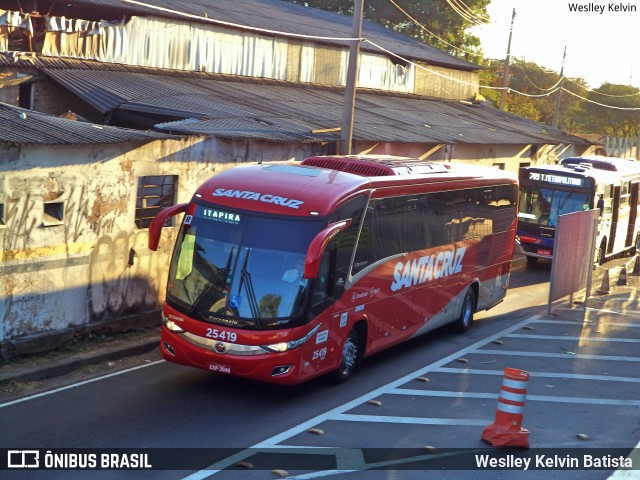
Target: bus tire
531, 260
350, 357
465, 319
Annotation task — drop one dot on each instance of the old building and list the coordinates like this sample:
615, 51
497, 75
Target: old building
159, 95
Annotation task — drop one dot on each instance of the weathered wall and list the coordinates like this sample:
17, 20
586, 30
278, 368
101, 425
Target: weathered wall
95, 266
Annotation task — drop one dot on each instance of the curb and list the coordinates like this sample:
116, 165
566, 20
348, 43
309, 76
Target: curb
67, 365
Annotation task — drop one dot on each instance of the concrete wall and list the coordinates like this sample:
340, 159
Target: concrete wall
94, 267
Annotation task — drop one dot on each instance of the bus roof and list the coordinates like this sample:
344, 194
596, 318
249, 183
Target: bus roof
604, 163
599, 169
318, 185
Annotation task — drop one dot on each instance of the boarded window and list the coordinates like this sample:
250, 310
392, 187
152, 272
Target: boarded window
154, 193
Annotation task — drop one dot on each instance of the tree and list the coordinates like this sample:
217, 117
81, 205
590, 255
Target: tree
533, 91
440, 23
616, 119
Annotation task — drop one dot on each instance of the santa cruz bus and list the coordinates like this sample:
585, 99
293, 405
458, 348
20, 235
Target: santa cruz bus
284, 272
580, 183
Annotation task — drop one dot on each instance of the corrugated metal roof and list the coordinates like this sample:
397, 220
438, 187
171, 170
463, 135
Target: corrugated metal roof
280, 16
25, 127
284, 111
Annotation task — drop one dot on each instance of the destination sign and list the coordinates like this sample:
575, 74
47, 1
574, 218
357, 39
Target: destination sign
218, 215
556, 179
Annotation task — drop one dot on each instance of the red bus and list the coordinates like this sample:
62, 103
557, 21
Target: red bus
285, 272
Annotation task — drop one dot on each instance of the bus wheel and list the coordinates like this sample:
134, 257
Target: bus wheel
532, 260
350, 359
465, 319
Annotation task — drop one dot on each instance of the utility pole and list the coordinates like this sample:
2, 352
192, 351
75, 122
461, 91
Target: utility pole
505, 79
556, 115
348, 108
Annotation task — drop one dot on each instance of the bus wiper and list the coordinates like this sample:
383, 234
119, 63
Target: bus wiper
216, 282
245, 278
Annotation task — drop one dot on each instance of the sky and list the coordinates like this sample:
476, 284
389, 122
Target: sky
601, 46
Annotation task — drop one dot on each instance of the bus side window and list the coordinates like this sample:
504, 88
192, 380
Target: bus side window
502, 206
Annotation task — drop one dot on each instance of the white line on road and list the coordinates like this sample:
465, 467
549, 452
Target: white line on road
538, 398
347, 417
568, 376
558, 355
79, 384
592, 323
331, 414
581, 339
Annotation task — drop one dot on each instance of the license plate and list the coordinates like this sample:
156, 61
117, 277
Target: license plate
216, 367
543, 251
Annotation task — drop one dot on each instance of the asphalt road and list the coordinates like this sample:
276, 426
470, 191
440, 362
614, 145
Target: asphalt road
169, 407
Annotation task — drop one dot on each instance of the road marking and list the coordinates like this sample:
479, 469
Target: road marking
589, 323
581, 339
413, 420
581, 356
539, 398
331, 414
74, 385
338, 413
569, 376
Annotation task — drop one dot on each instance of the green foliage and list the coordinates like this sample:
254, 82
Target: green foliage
534, 94
618, 122
439, 24
534, 91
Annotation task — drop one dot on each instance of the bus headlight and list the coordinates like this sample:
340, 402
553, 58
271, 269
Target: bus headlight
293, 344
278, 347
171, 325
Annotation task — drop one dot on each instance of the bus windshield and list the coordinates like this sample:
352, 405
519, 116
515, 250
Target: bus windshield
236, 268
542, 206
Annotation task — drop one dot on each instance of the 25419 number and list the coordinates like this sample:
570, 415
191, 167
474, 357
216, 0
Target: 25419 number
221, 335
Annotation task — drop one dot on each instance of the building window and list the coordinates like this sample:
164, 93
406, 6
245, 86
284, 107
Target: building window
154, 193
499, 165
525, 164
53, 214
2, 219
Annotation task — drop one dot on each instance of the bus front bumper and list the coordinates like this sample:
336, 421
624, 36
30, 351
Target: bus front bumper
534, 250
280, 368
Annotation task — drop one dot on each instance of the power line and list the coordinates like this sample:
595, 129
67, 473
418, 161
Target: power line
457, 80
316, 37
554, 87
406, 14
466, 13
601, 104
201, 18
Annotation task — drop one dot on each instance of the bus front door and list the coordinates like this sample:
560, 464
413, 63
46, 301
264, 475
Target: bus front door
614, 219
633, 214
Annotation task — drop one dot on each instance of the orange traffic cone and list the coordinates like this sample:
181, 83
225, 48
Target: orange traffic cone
622, 280
506, 430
